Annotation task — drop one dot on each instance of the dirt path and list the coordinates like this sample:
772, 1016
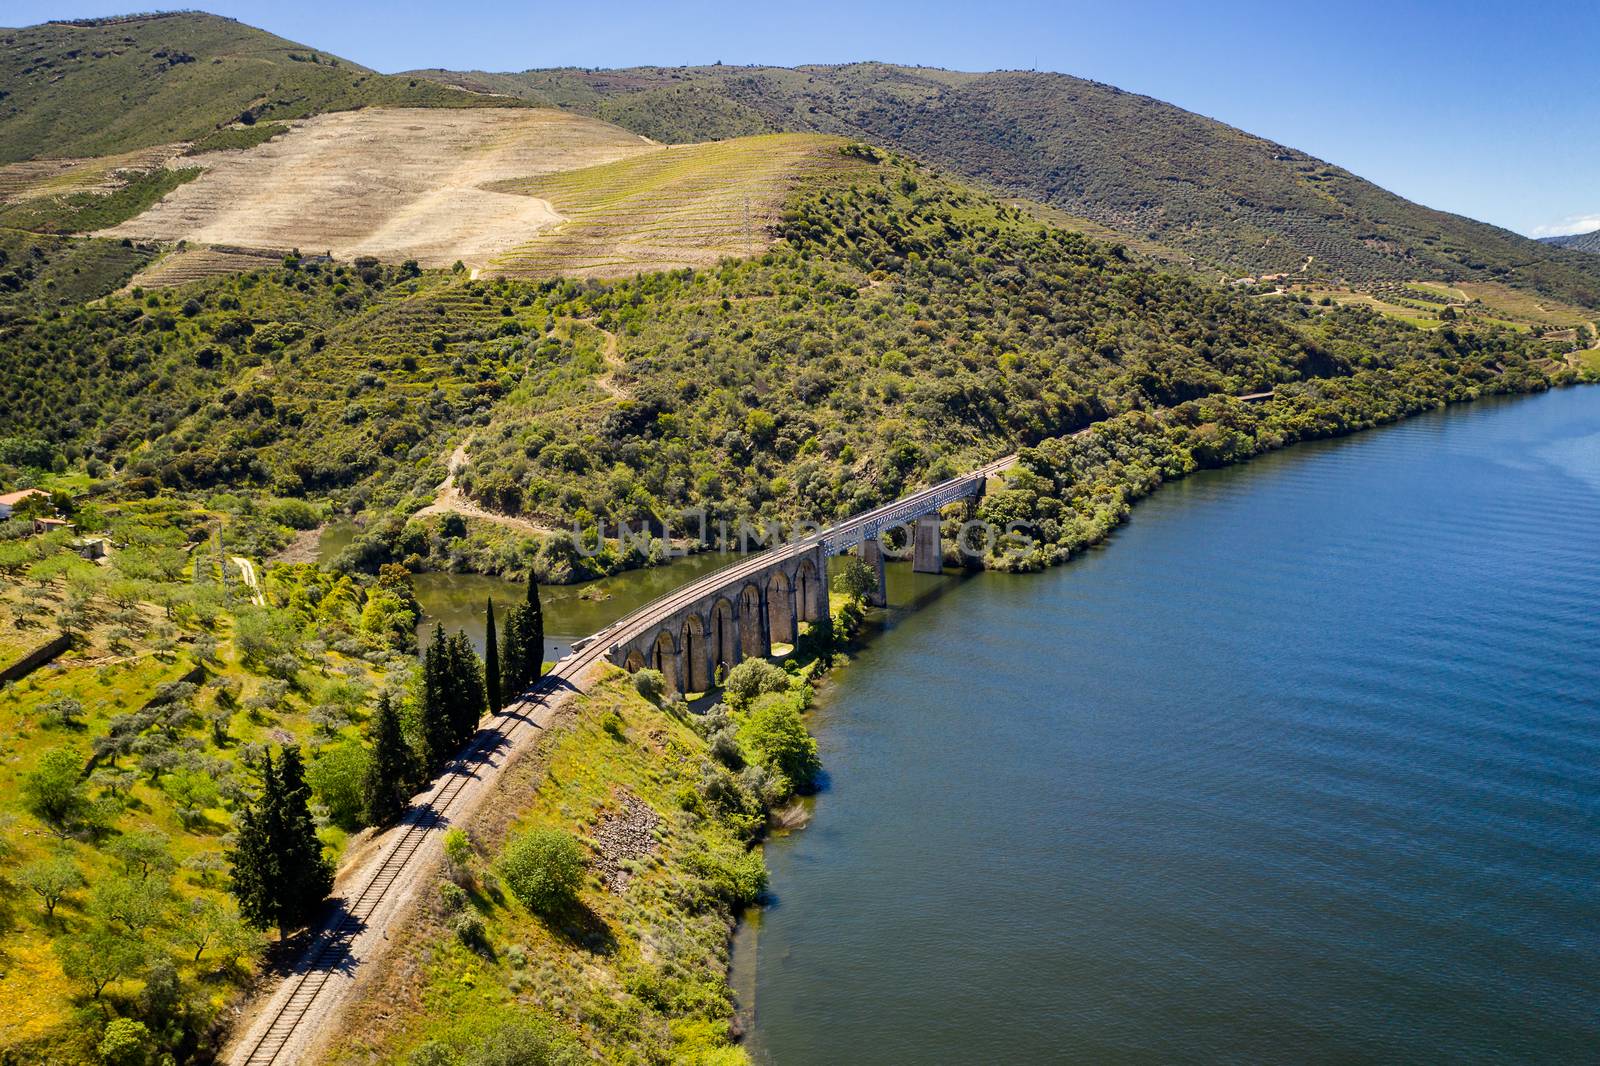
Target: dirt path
608, 352
449, 499
247, 571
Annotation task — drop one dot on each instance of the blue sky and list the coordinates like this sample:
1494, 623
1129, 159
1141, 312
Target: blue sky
1490, 110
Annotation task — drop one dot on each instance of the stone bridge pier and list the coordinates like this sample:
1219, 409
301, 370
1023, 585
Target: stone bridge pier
728, 624
924, 530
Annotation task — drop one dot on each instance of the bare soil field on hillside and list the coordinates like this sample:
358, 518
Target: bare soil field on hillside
396, 183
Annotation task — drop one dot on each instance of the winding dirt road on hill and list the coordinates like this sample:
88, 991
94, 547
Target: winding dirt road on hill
449, 499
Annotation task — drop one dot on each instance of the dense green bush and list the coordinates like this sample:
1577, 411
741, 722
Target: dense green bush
750, 679
775, 736
543, 868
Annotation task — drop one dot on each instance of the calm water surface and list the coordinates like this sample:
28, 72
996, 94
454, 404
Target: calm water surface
1303, 767
457, 601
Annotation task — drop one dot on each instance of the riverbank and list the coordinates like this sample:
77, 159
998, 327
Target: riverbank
1068, 493
636, 970
1292, 773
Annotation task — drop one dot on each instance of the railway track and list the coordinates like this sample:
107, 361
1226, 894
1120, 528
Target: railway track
276, 1034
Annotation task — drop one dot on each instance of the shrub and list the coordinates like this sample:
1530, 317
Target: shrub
468, 928
453, 896
775, 735
522, 1043
126, 1042
735, 876
458, 853
752, 678
543, 868
650, 684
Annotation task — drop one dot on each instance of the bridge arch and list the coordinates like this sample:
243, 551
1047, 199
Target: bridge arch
664, 657
635, 661
725, 636
754, 638
781, 627
809, 597
694, 656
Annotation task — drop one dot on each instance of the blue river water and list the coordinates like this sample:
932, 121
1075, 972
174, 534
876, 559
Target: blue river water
1302, 766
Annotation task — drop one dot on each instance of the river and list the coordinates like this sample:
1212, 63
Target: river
458, 601
1302, 766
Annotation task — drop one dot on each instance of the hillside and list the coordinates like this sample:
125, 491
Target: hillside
1578, 242
667, 208
106, 86
856, 324
901, 324
1145, 168
395, 183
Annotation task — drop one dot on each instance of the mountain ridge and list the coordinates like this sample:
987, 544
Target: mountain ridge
1578, 242
1150, 169
93, 87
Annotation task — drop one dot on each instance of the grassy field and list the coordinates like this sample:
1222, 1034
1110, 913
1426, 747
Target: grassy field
1423, 304
1522, 306
669, 208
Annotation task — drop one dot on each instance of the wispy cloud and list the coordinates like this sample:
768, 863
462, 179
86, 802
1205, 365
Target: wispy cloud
1570, 224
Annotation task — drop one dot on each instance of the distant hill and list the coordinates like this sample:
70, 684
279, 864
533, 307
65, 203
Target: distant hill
1145, 168
1578, 242
105, 86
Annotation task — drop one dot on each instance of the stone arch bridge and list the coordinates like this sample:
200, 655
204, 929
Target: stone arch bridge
747, 607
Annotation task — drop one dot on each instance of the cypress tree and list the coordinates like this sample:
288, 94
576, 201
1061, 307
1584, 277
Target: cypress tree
279, 874
255, 866
307, 875
491, 662
535, 631
438, 725
387, 784
464, 688
513, 652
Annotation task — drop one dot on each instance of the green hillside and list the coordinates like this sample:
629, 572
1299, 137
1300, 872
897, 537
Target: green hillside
111, 85
1143, 167
896, 326
903, 327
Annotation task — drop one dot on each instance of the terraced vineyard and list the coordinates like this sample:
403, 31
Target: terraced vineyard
184, 265
1143, 168
671, 208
